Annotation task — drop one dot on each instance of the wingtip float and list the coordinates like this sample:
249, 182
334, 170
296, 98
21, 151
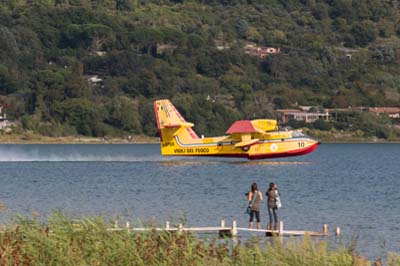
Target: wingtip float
252, 139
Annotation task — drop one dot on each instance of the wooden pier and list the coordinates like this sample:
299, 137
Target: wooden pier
227, 231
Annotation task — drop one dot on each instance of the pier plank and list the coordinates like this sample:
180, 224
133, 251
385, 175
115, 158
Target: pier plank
224, 230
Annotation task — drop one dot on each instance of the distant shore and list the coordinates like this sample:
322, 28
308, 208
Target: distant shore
141, 139
39, 139
358, 140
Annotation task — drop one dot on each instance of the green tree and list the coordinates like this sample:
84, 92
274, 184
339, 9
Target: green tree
212, 64
99, 35
8, 43
82, 114
124, 5
364, 33
383, 55
241, 28
124, 114
47, 90
8, 83
342, 8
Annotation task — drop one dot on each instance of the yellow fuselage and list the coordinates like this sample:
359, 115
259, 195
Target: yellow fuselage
256, 139
225, 146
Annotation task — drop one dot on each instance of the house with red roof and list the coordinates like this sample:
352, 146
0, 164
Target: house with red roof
286, 115
392, 112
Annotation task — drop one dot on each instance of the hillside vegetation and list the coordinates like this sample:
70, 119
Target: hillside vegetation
333, 54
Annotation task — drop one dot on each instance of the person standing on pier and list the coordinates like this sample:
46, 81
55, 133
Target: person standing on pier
273, 203
254, 197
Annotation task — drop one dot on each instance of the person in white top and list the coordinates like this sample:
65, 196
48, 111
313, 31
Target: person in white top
272, 204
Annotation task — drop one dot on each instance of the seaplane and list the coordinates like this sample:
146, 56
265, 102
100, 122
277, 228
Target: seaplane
251, 139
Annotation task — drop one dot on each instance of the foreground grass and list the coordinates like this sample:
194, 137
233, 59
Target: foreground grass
64, 241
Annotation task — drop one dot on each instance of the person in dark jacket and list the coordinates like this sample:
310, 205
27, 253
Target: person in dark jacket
254, 197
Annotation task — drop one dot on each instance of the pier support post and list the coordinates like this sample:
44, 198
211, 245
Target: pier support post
280, 232
167, 225
127, 225
116, 224
180, 229
234, 230
223, 231
325, 229
337, 231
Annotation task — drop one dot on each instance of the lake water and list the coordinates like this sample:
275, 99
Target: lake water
352, 186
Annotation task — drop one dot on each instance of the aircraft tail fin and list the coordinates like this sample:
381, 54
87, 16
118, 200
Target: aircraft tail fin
170, 122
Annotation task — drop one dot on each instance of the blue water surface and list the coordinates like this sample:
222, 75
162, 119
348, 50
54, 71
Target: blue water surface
351, 186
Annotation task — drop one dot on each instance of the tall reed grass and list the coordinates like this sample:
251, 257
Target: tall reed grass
64, 241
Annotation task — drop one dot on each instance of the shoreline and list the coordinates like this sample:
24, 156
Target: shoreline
141, 139
38, 139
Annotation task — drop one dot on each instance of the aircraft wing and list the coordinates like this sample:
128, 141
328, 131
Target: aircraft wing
243, 130
246, 143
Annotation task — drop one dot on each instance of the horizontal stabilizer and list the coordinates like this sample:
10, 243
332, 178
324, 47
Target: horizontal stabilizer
246, 143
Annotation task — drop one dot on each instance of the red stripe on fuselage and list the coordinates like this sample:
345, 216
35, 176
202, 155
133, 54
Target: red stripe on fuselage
178, 114
297, 152
158, 120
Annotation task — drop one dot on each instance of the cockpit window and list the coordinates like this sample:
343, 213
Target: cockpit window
298, 133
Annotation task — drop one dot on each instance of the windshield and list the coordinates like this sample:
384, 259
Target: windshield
298, 133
